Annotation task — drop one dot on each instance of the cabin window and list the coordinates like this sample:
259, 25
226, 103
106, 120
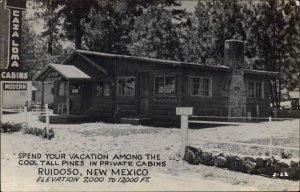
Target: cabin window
200, 86
33, 95
75, 89
126, 86
106, 90
61, 89
255, 89
99, 89
103, 89
164, 85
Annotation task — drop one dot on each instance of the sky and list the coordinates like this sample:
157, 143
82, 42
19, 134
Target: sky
189, 5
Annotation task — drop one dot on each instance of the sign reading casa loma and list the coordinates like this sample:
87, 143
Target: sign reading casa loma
14, 48
14, 69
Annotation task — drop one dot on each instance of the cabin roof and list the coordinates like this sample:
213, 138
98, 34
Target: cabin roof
67, 71
259, 72
218, 67
159, 61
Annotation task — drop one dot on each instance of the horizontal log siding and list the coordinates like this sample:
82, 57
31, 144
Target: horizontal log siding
163, 108
57, 99
75, 109
208, 106
264, 103
100, 106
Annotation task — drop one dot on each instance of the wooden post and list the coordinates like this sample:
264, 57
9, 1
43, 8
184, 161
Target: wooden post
184, 112
184, 134
25, 111
43, 95
179, 89
271, 143
68, 98
47, 116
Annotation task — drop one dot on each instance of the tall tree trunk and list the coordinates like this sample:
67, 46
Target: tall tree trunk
77, 27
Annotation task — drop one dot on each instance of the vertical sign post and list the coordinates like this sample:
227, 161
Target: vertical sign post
25, 113
184, 112
47, 116
271, 142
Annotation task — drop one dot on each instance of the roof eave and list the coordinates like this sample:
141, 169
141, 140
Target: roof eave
264, 73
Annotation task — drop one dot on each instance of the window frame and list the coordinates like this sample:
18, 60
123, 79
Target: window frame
102, 93
201, 77
59, 84
117, 86
164, 76
262, 94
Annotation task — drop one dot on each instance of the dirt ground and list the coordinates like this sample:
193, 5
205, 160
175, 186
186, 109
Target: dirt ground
177, 175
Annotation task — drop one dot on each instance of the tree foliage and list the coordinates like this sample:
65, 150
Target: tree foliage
159, 29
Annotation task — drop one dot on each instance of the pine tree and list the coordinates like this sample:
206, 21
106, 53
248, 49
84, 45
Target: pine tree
274, 41
63, 19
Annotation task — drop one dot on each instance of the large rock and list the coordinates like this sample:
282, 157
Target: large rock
248, 167
220, 161
270, 171
192, 155
249, 159
261, 171
51, 133
260, 162
294, 173
212, 161
234, 163
294, 164
205, 157
279, 166
270, 161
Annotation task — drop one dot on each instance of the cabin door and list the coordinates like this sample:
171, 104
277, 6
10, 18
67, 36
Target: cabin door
143, 88
86, 94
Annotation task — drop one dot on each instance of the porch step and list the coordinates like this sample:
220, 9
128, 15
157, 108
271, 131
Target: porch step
136, 121
64, 119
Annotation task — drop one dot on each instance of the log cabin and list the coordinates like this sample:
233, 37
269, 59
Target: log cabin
110, 86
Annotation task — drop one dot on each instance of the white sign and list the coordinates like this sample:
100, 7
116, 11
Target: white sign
184, 110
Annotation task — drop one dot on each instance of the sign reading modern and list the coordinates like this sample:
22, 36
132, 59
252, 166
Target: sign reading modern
15, 86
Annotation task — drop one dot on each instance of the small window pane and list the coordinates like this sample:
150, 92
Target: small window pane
126, 86
61, 89
255, 90
200, 86
99, 89
164, 85
251, 89
106, 89
205, 87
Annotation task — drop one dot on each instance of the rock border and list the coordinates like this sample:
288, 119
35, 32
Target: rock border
25, 129
269, 167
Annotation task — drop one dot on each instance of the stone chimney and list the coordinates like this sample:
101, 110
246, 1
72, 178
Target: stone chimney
234, 58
